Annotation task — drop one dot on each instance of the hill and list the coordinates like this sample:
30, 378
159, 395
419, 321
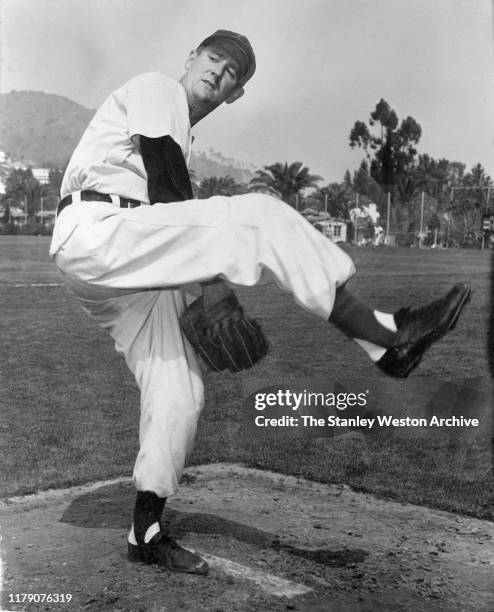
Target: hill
40, 129
211, 163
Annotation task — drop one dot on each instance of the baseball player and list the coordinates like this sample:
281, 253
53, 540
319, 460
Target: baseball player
129, 236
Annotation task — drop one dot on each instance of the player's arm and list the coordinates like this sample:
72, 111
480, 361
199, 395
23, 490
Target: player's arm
168, 177
169, 181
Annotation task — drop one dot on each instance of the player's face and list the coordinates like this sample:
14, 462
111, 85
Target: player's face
212, 77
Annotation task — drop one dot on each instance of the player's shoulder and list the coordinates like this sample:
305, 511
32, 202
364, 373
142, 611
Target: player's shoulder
152, 79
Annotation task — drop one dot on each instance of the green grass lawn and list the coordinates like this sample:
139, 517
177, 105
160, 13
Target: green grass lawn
69, 408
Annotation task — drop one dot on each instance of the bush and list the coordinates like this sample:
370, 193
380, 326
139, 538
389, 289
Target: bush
30, 229
9, 229
471, 240
405, 240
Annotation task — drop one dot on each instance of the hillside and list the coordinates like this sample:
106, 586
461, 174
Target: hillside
211, 163
40, 129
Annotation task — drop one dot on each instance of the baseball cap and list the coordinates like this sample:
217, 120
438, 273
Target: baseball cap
238, 47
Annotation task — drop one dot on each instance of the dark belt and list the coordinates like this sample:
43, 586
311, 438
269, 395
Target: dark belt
94, 196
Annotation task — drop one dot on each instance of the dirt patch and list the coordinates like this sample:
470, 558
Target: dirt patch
342, 550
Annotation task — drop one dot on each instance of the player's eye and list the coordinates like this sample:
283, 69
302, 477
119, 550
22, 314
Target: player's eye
212, 57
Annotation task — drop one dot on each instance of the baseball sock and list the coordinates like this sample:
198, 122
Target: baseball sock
147, 514
374, 331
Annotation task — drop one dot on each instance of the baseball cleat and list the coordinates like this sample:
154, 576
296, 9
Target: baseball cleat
165, 552
418, 328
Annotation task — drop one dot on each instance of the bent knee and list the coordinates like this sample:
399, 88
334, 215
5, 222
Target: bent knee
259, 208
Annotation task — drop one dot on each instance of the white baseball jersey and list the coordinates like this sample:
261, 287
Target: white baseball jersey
125, 266
107, 158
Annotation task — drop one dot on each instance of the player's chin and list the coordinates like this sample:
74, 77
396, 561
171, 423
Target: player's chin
205, 95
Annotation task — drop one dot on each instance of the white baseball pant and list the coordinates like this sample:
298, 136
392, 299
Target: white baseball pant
125, 267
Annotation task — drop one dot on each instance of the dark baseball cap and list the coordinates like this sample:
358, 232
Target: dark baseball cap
239, 49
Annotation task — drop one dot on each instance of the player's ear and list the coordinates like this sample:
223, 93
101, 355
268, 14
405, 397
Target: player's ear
191, 57
238, 93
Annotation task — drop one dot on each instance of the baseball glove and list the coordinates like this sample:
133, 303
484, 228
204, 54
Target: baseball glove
223, 336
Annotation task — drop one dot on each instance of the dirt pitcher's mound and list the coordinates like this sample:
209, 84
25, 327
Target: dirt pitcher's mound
273, 543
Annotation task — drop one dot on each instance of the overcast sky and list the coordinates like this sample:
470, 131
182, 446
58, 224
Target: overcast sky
322, 65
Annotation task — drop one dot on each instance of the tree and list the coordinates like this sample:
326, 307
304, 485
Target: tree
284, 180
470, 201
338, 197
6, 211
437, 177
23, 190
347, 179
460, 198
214, 185
56, 178
391, 152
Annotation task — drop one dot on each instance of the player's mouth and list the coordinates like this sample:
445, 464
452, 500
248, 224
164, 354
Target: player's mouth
211, 85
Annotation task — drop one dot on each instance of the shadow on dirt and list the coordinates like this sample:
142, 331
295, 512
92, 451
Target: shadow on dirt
108, 508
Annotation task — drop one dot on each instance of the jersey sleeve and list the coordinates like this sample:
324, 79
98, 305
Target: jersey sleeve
167, 175
158, 124
153, 110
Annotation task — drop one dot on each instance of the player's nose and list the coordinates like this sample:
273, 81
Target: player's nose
218, 69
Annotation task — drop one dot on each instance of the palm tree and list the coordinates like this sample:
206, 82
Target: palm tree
284, 180
214, 185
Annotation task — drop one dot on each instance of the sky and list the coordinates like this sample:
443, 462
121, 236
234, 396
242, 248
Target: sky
322, 65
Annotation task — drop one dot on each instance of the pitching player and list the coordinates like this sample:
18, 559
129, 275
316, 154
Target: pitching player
129, 235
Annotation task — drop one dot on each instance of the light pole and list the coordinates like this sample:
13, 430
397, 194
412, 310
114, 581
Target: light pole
388, 216
356, 220
421, 234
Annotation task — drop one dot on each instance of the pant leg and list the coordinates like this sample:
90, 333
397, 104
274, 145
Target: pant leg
123, 264
146, 331
172, 396
247, 239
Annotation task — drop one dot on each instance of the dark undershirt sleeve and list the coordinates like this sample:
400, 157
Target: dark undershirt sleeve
168, 177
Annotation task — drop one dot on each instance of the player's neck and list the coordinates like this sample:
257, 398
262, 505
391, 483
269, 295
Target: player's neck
197, 111
196, 114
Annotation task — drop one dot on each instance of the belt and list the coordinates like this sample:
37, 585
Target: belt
94, 196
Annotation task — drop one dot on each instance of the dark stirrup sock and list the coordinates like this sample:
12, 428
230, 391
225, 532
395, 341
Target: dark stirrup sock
147, 511
358, 321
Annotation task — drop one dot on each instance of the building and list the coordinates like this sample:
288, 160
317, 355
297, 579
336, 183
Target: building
46, 217
16, 215
333, 228
42, 175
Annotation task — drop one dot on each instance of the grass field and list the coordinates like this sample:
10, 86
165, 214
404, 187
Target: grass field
69, 408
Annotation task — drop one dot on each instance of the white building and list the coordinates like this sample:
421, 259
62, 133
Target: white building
17, 215
45, 216
333, 228
42, 175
